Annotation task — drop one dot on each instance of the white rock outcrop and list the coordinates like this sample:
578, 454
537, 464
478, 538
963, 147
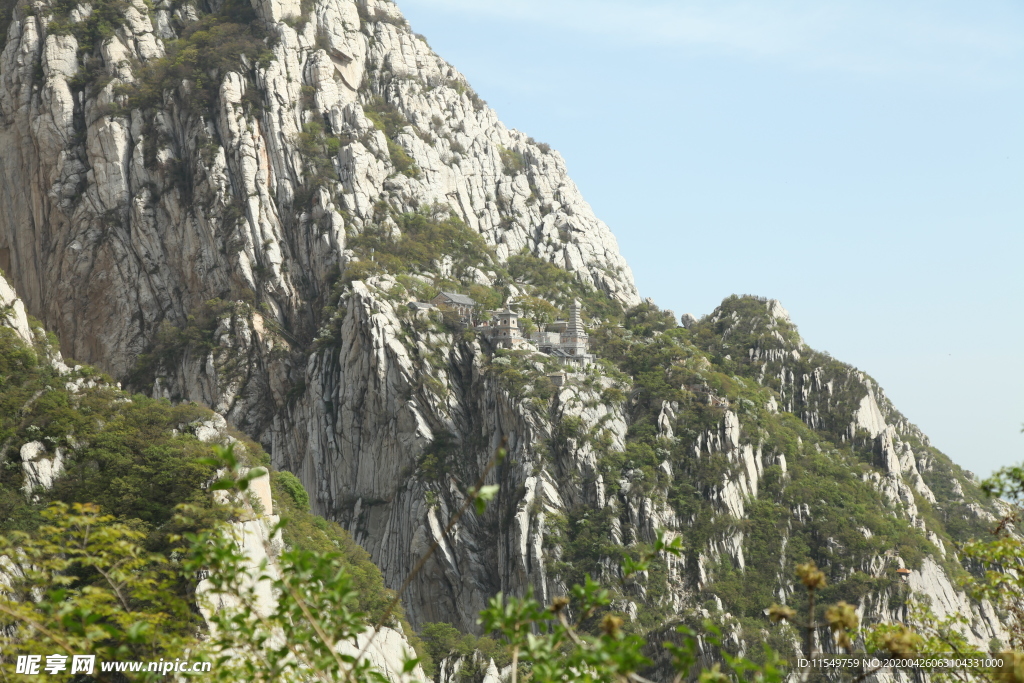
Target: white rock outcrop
260, 543
12, 312
41, 468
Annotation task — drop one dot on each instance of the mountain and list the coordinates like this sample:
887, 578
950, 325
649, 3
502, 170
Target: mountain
70, 434
233, 205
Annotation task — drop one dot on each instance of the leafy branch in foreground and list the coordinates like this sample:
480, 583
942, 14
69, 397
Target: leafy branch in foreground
312, 626
83, 584
287, 620
301, 632
548, 647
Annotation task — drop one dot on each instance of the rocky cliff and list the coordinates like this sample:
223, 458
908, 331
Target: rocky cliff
247, 192
141, 215
234, 205
51, 468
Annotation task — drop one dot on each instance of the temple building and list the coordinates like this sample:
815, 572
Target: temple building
503, 330
460, 304
566, 340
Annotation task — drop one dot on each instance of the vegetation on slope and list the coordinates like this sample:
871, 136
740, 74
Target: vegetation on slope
437, 245
129, 455
735, 360
424, 242
702, 372
125, 453
387, 118
309, 532
132, 463
742, 325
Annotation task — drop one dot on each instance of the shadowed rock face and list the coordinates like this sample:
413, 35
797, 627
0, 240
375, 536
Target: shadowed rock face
116, 221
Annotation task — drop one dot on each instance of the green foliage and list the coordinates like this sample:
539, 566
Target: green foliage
120, 453
1007, 483
524, 375
512, 161
127, 459
748, 592
317, 151
846, 502
81, 583
6, 16
84, 584
542, 146
105, 18
438, 457
955, 495
657, 363
667, 364
403, 163
298, 23
310, 533
372, 14
742, 338
539, 311
103, 594
733, 360
585, 538
1002, 554
571, 640
463, 88
316, 607
943, 637
560, 287
559, 646
205, 52
424, 241
385, 116
487, 298
388, 118
171, 342
315, 601
647, 320
444, 640
841, 504
291, 485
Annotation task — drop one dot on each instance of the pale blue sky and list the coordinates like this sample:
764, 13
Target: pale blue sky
861, 161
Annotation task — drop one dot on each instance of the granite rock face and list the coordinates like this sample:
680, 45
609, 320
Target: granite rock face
119, 225
141, 217
200, 253
12, 312
41, 468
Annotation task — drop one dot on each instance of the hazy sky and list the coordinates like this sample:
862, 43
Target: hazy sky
861, 161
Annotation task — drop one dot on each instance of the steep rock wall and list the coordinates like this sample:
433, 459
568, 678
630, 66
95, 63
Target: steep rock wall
119, 220
140, 216
122, 223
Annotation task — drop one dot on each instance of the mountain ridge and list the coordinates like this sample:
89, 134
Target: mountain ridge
249, 238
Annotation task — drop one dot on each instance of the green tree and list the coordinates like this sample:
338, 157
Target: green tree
84, 584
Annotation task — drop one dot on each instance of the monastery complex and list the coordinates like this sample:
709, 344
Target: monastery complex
566, 340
